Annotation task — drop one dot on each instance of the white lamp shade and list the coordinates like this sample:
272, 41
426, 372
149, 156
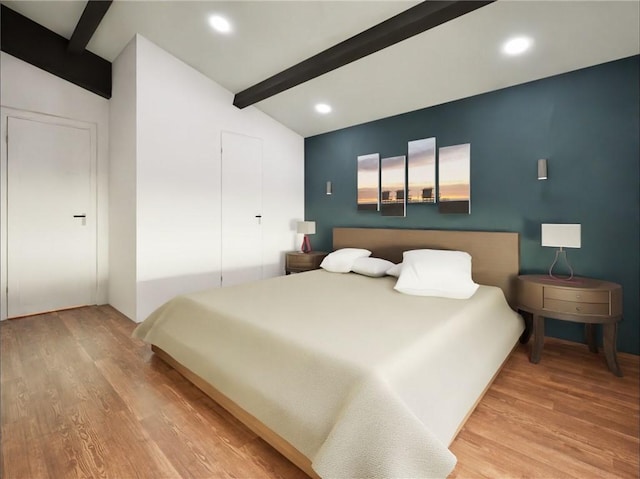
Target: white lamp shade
307, 227
561, 235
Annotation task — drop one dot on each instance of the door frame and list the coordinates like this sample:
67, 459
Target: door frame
5, 114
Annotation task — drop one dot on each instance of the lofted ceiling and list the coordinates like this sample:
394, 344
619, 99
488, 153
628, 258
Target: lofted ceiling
455, 60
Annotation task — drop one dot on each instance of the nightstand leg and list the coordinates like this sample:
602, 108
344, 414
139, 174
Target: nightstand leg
538, 338
610, 334
590, 335
528, 327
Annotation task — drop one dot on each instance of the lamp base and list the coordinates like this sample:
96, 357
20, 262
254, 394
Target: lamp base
562, 253
306, 245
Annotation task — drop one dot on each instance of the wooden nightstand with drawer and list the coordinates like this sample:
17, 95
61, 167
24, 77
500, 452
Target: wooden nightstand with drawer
297, 262
582, 300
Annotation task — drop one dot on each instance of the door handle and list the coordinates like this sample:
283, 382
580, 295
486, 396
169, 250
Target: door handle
84, 219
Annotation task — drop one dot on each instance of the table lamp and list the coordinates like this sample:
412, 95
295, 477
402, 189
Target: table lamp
560, 236
306, 228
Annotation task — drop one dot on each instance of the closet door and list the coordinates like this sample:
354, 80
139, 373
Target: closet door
241, 209
51, 236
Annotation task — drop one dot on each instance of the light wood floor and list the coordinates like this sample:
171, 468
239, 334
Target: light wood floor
80, 398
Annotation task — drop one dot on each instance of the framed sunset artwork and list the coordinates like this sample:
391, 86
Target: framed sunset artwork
454, 179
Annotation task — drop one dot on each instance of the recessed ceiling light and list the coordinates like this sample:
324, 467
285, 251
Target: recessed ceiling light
323, 108
219, 24
516, 46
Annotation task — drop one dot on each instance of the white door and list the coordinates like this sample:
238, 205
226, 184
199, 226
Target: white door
241, 208
51, 249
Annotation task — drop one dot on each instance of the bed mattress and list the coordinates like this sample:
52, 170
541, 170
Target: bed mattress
362, 380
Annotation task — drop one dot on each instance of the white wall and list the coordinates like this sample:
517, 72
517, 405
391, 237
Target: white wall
158, 190
122, 183
180, 116
178, 178
25, 87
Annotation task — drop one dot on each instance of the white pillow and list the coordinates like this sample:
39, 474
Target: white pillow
374, 267
341, 261
395, 270
429, 272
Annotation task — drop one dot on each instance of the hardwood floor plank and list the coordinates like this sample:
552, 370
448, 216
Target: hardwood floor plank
268, 460
201, 454
81, 399
140, 398
133, 453
533, 406
555, 396
224, 426
11, 365
14, 401
499, 460
574, 428
626, 470
21, 439
546, 446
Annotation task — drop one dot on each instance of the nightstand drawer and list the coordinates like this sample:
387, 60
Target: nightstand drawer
576, 295
601, 309
297, 262
301, 261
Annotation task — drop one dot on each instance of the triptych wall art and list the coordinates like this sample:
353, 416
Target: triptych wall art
388, 184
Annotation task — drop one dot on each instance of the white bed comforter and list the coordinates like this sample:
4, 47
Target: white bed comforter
363, 380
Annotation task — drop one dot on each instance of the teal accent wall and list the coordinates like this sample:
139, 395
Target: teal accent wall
585, 123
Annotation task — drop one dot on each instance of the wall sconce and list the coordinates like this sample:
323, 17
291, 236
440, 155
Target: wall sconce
542, 169
329, 188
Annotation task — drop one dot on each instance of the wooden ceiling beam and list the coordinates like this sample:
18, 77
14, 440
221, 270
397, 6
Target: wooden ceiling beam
418, 19
89, 21
31, 42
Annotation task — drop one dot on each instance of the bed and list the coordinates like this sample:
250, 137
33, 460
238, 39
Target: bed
343, 375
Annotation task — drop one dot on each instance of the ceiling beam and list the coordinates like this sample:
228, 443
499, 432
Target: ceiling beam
413, 21
31, 42
91, 17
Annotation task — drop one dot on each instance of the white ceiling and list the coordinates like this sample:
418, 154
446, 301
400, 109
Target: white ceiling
458, 59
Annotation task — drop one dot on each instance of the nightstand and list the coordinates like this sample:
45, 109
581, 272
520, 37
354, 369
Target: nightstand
297, 262
582, 300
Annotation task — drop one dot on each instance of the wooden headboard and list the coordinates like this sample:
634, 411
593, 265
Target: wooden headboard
495, 255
